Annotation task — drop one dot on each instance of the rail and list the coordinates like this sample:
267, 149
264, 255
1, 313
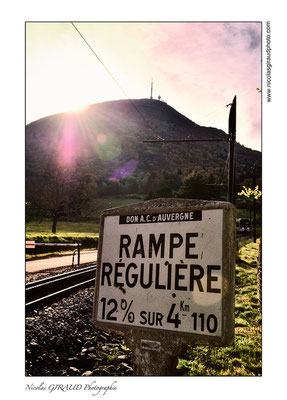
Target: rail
30, 244
45, 291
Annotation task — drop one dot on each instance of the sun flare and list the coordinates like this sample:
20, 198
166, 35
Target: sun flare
76, 108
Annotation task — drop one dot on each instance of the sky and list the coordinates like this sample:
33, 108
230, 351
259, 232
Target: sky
197, 68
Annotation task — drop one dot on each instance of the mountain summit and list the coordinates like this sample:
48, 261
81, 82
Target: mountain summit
107, 138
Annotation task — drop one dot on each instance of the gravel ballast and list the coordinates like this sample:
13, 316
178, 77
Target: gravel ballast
62, 341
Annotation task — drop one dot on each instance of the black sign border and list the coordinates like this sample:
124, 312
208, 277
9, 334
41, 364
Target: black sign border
228, 271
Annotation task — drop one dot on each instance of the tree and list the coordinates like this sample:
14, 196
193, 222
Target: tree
60, 192
199, 185
253, 195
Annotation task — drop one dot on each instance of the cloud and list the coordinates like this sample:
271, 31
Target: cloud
247, 35
254, 38
207, 64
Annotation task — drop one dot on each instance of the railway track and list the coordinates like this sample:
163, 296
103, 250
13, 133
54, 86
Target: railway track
45, 291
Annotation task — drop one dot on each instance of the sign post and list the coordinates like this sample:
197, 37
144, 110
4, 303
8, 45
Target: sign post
165, 278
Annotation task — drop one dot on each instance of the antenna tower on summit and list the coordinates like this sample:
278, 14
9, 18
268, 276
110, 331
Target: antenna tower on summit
151, 87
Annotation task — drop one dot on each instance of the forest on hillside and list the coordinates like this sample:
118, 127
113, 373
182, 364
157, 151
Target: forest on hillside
73, 159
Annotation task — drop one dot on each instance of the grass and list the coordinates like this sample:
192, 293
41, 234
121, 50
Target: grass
243, 358
86, 232
67, 228
79, 228
85, 228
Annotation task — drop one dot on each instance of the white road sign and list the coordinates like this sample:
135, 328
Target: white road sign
163, 271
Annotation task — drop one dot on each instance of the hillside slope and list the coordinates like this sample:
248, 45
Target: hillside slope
107, 139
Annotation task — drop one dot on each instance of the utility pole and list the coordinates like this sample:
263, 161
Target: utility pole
231, 195
232, 162
151, 87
